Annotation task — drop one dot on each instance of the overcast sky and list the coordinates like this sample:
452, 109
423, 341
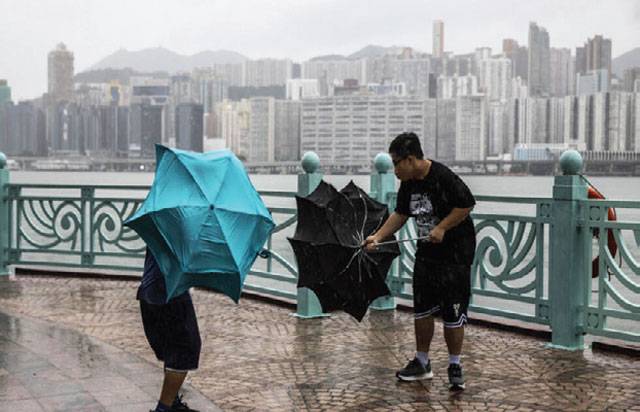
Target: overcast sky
298, 29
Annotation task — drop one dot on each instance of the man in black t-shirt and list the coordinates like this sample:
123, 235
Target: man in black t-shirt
440, 202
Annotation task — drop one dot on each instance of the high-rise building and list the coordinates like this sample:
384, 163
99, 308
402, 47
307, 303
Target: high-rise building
496, 78
519, 89
413, 72
287, 130
122, 131
539, 73
22, 129
630, 77
619, 132
497, 141
450, 87
266, 72
262, 129
532, 121
183, 89
190, 127
336, 70
149, 92
234, 126
599, 54
298, 89
457, 65
5, 92
60, 74
64, 128
146, 122
440, 129
356, 128
471, 119
562, 72
581, 60
438, 38
211, 88
519, 56
594, 55
296, 71
595, 81
509, 46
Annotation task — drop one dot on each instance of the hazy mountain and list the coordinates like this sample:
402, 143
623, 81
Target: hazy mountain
161, 59
328, 57
367, 51
626, 61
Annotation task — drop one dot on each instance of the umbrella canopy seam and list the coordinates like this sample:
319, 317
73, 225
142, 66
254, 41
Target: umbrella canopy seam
199, 184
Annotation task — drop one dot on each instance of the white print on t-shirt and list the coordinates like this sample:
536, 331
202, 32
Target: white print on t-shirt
420, 206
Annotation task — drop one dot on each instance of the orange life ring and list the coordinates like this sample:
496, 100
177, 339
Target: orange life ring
593, 193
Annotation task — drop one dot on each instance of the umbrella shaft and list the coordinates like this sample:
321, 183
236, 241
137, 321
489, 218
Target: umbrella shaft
389, 242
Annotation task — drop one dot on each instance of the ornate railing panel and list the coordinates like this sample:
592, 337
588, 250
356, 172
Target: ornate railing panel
614, 308
74, 226
77, 226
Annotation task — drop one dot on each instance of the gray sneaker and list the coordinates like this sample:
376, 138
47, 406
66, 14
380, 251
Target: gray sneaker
456, 377
415, 371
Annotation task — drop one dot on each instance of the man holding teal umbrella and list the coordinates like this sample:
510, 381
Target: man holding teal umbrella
204, 225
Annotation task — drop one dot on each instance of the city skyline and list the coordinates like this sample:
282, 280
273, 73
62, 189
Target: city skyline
289, 29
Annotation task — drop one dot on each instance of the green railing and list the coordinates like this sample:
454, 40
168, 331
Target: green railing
532, 264
614, 302
76, 226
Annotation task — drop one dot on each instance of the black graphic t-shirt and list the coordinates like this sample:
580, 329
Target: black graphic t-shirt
429, 201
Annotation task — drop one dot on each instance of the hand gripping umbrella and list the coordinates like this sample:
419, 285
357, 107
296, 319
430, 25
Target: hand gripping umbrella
203, 221
328, 241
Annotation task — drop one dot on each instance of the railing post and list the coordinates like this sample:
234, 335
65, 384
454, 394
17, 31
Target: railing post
383, 182
569, 281
5, 227
308, 305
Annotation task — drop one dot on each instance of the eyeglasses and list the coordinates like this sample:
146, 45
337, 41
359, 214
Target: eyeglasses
397, 161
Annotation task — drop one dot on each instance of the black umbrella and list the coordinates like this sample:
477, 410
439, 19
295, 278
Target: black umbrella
328, 241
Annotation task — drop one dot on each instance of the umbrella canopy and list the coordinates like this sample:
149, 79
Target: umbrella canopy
203, 221
327, 243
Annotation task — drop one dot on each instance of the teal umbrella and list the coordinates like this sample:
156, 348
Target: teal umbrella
203, 221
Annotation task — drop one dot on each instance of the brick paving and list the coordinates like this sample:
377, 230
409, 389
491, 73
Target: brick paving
257, 357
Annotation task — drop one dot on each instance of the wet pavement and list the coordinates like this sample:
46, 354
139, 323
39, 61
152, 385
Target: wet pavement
70, 343
47, 368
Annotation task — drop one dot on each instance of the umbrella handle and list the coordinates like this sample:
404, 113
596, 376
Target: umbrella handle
264, 253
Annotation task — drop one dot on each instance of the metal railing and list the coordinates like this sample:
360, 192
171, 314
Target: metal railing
519, 271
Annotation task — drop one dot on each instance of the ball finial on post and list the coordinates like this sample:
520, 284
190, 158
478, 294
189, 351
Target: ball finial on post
310, 162
383, 162
570, 162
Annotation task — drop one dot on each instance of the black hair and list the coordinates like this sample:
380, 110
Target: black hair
405, 145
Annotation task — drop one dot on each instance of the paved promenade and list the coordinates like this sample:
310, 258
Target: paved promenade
77, 344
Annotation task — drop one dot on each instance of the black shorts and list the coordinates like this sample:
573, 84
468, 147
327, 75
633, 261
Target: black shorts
441, 288
172, 331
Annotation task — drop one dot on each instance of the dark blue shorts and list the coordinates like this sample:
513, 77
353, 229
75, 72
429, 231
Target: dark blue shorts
172, 331
440, 288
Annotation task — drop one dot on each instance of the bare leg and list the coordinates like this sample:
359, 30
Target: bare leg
454, 338
424, 333
171, 386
